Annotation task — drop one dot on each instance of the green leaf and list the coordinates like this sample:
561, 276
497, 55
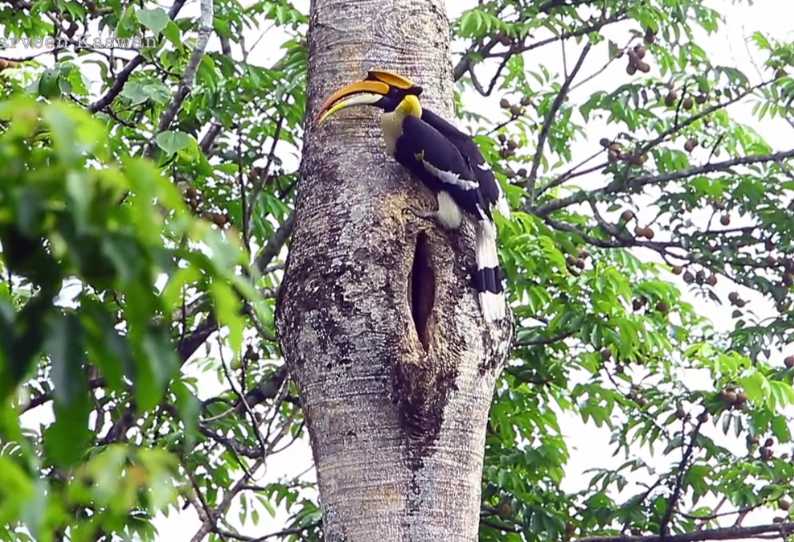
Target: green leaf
188, 406
469, 23
173, 34
64, 346
16, 489
161, 467
780, 428
137, 92
81, 192
67, 438
614, 50
74, 132
73, 78
155, 19
172, 141
154, 368
107, 348
227, 309
48, 84
127, 26
756, 386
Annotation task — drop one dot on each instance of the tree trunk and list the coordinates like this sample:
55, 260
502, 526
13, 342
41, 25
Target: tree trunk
379, 325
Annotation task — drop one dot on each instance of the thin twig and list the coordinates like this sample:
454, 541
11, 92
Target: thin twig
547, 123
276, 242
209, 525
265, 172
681, 471
644, 180
546, 340
242, 399
726, 533
188, 77
241, 182
572, 171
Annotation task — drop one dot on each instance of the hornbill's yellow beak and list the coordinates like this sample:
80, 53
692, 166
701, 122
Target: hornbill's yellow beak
358, 93
369, 91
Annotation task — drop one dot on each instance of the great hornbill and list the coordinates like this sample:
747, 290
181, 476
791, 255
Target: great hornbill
445, 159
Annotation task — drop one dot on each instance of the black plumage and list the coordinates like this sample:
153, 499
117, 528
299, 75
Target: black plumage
489, 188
429, 145
446, 160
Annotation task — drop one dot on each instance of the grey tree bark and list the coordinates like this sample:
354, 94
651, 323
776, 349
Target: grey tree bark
379, 325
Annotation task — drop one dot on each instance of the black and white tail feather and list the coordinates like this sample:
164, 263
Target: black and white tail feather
488, 276
449, 163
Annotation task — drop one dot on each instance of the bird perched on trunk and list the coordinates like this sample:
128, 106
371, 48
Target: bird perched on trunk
445, 159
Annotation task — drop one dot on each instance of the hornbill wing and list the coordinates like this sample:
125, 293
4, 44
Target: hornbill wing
490, 190
432, 157
442, 159
462, 141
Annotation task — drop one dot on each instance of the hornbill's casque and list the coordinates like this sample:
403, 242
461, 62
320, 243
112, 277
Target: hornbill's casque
445, 159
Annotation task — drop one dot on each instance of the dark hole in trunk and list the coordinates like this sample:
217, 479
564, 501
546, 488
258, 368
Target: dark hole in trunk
422, 289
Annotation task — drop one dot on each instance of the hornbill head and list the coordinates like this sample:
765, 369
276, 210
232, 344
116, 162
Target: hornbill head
381, 88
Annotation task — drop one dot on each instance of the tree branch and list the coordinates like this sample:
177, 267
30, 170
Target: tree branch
241, 397
478, 87
231, 443
209, 525
541, 341
124, 74
45, 397
681, 470
529, 184
617, 17
465, 63
278, 534
483, 49
209, 138
726, 533
188, 78
273, 246
266, 170
644, 180
677, 127
189, 344
572, 172
658, 139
